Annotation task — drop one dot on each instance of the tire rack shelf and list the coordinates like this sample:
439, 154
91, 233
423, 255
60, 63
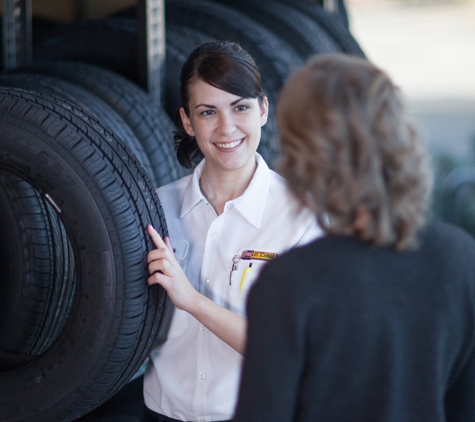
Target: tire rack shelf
18, 38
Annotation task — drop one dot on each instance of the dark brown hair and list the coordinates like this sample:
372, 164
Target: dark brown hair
224, 65
348, 144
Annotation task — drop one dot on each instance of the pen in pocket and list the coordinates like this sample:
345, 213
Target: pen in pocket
234, 267
243, 279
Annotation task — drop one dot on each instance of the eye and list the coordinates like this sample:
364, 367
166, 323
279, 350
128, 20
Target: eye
207, 112
242, 107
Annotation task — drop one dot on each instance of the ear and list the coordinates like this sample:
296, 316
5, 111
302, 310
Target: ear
264, 111
186, 122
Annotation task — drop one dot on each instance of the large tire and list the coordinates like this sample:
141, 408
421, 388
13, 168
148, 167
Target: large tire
335, 25
150, 124
105, 201
108, 44
83, 99
342, 14
295, 27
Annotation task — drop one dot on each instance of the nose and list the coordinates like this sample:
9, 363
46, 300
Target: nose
226, 125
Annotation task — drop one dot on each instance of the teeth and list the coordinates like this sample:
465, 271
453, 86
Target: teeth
229, 145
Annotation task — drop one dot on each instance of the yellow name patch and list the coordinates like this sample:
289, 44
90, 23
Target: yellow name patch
263, 256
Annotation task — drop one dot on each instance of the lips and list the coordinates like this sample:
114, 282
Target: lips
230, 145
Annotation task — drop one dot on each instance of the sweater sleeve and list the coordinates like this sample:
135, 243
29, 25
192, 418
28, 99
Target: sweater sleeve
459, 401
275, 350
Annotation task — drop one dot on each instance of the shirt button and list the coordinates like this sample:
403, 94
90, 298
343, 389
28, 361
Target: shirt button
202, 376
229, 206
203, 328
206, 280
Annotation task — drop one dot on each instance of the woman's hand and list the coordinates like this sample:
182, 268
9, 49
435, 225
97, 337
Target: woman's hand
165, 270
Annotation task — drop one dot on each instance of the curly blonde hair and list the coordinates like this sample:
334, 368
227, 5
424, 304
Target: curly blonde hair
347, 145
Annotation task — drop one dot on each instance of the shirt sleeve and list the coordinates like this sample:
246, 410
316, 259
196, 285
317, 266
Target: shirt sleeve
274, 355
310, 230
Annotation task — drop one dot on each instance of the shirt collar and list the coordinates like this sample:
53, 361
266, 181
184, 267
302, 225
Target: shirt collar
250, 204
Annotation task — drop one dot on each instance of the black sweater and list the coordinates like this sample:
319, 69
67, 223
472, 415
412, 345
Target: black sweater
341, 331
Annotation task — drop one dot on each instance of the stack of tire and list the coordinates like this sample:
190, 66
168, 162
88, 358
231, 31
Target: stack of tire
82, 150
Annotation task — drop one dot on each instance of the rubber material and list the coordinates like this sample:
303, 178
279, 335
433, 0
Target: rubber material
303, 33
150, 123
37, 271
84, 99
105, 201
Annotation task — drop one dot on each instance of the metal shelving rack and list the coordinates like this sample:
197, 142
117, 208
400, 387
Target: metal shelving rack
18, 41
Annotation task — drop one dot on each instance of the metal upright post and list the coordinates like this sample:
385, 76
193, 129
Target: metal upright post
151, 22
17, 34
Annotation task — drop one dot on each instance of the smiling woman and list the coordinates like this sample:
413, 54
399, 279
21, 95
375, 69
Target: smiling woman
231, 204
227, 129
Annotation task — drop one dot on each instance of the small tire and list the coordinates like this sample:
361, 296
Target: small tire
37, 272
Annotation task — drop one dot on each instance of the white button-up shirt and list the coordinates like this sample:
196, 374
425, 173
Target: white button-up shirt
194, 376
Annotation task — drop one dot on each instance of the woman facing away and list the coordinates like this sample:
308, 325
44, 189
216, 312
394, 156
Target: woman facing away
375, 321
226, 220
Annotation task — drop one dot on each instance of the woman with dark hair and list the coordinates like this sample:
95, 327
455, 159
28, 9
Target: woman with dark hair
375, 321
226, 220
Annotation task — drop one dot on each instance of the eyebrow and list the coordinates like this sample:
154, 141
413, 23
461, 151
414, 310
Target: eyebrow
212, 106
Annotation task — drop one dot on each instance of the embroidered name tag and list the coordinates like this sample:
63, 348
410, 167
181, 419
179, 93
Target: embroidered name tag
263, 256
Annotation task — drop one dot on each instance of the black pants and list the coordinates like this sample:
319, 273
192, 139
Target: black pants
151, 416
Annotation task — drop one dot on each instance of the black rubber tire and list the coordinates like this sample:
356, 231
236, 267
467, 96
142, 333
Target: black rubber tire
37, 270
109, 45
342, 14
335, 25
303, 33
150, 123
82, 99
105, 201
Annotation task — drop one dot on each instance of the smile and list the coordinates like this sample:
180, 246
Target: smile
230, 145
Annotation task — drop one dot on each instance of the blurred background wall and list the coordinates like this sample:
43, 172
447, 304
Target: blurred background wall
428, 48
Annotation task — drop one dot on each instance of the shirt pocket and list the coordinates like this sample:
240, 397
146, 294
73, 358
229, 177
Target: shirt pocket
180, 250
241, 279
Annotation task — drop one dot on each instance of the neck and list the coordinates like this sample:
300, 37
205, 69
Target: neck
220, 187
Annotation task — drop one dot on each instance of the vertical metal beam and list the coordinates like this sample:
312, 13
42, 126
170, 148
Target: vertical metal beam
331, 6
17, 34
151, 22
